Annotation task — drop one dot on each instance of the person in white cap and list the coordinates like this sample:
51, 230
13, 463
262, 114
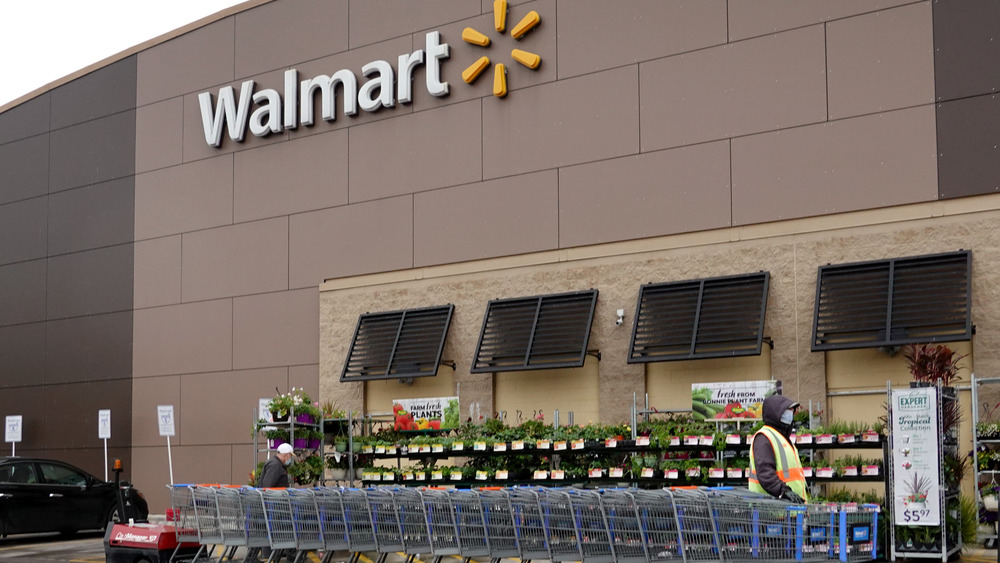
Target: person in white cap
274, 473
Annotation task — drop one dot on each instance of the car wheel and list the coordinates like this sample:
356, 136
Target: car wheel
113, 517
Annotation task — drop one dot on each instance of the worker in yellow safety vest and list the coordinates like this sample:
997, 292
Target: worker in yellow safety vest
775, 468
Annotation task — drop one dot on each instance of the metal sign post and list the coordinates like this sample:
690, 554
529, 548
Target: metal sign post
104, 433
12, 432
165, 418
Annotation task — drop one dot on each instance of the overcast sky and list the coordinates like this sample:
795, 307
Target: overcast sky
44, 40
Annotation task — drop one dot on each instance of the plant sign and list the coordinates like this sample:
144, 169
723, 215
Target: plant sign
432, 413
916, 465
731, 399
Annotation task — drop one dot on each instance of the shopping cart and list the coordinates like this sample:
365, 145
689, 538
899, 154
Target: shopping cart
332, 520
621, 508
305, 522
385, 519
855, 532
232, 520
500, 530
593, 534
470, 524
257, 537
359, 523
278, 519
206, 518
529, 523
659, 525
698, 539
182, 502
560, 525
412, 521
442, 532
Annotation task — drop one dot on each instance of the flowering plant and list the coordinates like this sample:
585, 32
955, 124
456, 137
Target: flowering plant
932, 363
296, 400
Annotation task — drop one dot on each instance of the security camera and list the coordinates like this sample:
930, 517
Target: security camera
619, 321
621, 317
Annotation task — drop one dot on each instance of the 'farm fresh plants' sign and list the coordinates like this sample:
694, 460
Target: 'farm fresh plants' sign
916, 465
732, 399
434, 413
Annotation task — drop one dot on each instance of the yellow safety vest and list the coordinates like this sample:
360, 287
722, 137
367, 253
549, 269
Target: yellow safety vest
786, 460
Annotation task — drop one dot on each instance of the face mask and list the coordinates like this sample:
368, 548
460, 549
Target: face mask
786, 417
288, 461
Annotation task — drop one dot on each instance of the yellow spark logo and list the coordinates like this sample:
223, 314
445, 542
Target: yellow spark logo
473, 37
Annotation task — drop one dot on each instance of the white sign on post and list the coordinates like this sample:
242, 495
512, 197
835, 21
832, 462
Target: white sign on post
104, 433
12, 431
104, 424
916, 465
165, 420
165, 417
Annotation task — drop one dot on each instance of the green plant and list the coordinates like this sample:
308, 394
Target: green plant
932, 363
306, 471
296, 400
273, 433
331, 410
333, 463
917, 488
255, 474
969, 518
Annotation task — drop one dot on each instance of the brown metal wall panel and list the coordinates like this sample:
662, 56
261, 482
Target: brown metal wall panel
332, 243
92, 216
92, 348
91, 282
158, 272
597, 35
159, 134
377, 20
103, 92
22, 355
276, 329
194, 61
91, 152
238, 260
25, 120
966, 48
750, 18
968, 140
22, 292
496, 218
25, 166
318, 26
22, 230
880, 61
671, 191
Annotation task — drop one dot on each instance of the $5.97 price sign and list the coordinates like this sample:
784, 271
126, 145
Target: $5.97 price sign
915, 516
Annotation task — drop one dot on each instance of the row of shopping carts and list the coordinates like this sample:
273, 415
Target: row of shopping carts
526, 523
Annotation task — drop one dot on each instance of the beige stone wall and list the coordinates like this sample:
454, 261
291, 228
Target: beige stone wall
792, 251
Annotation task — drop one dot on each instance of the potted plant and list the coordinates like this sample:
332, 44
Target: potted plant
340, 443
931, 363
337, 468
275, 437
315, 439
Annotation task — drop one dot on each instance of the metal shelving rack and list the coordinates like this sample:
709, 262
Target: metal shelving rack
976, 441
291, 424
945, 496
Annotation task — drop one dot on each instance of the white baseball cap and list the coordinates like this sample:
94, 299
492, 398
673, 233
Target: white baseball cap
285, 448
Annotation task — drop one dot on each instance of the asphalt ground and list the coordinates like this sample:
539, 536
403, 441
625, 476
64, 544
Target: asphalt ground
89, 548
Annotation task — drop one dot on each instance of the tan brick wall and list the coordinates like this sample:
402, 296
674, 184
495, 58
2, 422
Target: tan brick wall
790, 251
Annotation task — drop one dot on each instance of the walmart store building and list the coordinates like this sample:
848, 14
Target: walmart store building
206, 217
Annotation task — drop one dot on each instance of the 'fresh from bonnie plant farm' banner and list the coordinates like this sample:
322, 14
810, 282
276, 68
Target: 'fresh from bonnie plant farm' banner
731, 399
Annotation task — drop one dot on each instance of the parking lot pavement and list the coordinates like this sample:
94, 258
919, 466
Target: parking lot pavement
49, 548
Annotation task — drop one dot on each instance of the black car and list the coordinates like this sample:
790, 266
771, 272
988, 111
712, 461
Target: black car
43, 495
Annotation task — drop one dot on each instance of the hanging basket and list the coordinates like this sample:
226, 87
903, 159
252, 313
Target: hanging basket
990, 503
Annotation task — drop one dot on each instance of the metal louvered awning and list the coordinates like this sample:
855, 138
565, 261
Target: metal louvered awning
911, 300
541, 332
398, 344
696, 319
